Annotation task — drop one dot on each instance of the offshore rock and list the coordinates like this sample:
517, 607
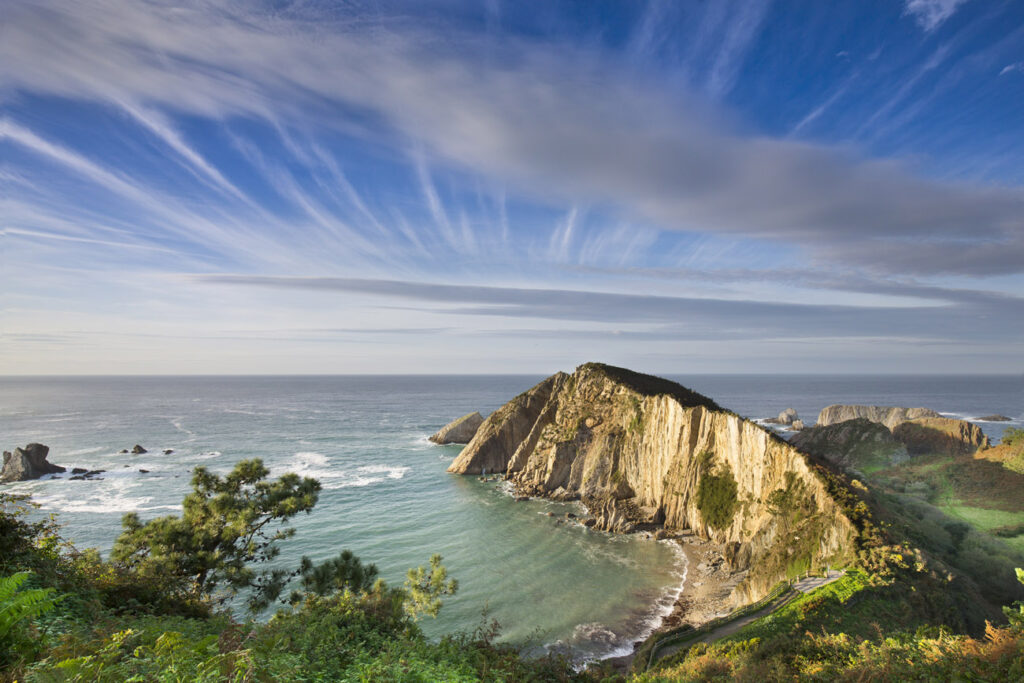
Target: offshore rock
890, 416
941, 435
138, 450
27, 463
644, 452
461, 430
787, 416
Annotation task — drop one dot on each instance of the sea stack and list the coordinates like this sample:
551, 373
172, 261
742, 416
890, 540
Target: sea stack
461, 430
27, 463
643, 452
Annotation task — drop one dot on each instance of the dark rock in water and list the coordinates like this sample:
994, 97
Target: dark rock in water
168, 451
91, 474
143, 471
996, 418
123, 450
27, 463
589, 522
138, 450
79, 470
661, 534
570, 515
520, 499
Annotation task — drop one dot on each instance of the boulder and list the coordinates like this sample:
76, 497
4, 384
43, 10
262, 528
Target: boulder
459, 431
168, 451
787, 416
27, 463
995, 418
797, 425
941, 436
890, 416
138, 450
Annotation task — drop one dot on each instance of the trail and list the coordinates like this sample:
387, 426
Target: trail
800, 587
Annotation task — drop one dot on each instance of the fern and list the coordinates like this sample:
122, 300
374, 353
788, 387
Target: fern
18, 606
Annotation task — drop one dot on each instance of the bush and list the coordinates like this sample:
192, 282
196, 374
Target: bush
716, 496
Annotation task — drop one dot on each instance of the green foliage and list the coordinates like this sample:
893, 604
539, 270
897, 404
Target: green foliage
1012, 437
18, 608
227, 525
426, 586
1015, 613
716, 494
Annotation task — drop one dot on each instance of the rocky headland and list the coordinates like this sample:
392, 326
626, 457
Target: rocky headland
642, 452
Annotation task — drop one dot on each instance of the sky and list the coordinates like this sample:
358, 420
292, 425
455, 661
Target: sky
511, 187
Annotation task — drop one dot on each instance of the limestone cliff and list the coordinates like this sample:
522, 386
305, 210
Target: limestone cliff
461, 430
890, 416
640, 450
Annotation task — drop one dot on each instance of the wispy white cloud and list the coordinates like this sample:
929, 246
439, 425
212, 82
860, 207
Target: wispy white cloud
929, 14
1017, 67
566, 125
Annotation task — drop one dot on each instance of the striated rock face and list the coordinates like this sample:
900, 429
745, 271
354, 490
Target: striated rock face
642, 451
459, 431
497, 439
941, 435
27, 463
858, 444
890, 416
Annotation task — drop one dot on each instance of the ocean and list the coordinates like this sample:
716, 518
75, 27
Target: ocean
386, 496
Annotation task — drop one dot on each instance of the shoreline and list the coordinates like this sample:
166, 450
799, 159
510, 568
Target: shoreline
703, 595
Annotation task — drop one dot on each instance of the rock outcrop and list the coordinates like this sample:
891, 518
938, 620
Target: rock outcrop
860, 444
644, 452
497, 439
995, 418
138, 450
787, 416
461, 430
941, 435
27, 463
890, 416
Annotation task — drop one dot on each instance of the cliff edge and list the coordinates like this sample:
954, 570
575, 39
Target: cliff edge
643, 451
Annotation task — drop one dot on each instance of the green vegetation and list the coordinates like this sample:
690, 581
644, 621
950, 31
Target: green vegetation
716, 493
861, 627
141, 617
918, 582
1012, 437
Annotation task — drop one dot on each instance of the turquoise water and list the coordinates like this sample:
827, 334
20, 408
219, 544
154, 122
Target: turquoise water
386, 494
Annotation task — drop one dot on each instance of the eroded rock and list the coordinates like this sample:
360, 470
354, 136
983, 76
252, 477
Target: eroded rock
461, 430
27, 463
890, 416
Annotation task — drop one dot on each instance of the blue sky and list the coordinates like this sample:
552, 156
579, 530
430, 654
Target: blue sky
349, 187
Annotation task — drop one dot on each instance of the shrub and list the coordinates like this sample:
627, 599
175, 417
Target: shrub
716, 496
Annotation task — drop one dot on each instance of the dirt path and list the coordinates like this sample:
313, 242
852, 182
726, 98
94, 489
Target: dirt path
800, 587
